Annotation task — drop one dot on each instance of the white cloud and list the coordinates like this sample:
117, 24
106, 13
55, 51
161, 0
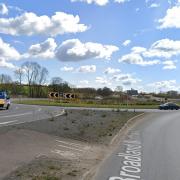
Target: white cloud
164, 48
110, 70
126, 79
102, 80
87, 69
121, 1
7, 52
164, 85
67, 69
169, 65
3, 9
154, 5
44, 50
84, 82
31, 24
5, 64
171, 19
126, 43
97, 2
137, 59
75, 50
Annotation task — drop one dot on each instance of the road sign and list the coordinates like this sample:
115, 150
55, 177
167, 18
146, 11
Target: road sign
55, 95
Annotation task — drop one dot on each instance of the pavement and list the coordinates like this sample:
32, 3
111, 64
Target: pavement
149, 151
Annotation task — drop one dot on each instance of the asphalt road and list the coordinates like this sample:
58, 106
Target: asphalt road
149, 151
19, 113
26, 113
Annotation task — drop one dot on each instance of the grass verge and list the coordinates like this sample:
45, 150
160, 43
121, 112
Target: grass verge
80, 104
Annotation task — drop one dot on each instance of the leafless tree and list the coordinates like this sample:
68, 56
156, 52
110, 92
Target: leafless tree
19, 73
5, 79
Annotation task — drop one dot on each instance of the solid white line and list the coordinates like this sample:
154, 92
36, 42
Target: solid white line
70, 148
72, 144
16, 115
8, 122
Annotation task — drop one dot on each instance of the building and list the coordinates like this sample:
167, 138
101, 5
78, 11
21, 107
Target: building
132, 92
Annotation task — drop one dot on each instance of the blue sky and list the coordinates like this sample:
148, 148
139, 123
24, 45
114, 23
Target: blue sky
95, 43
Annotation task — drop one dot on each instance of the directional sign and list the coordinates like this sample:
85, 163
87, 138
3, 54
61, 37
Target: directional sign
56, 95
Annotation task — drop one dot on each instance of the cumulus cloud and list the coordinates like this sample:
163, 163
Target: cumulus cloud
87, 69
125, 79
169, 65
171, 19
4, 64
137, 59
3, 9
44, 50
164, 48
126, 43
75, 50
110, 70
7, 52
67, 69
164, 85
31, 24
97, 2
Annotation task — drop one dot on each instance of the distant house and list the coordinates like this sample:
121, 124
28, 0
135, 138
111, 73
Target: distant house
132, 92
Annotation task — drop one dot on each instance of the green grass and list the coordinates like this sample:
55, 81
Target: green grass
81, 104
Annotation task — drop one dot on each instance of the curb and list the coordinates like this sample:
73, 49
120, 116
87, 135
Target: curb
124, 127
89, 173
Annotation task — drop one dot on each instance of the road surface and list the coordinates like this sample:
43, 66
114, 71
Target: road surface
150, 151
26, 113
20, 113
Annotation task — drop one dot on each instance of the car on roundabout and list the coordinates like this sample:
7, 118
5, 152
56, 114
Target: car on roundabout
4, 100
169, 106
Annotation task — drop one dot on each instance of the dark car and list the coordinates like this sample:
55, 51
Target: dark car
170, 106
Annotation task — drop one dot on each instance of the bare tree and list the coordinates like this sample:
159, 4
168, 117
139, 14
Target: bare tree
31, 72
19, 73
5, 79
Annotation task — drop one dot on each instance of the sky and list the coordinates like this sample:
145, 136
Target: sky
95, 43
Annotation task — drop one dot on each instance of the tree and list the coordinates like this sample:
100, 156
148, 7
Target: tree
5, 79
36, 76
105, 91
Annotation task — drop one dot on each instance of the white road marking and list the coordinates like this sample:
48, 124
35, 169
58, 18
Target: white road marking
16, 115
60, 114
8, 122
70, 148
39, 109
71, 144
132, 163
65, 153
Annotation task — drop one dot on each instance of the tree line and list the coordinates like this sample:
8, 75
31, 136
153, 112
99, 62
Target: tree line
31, 80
